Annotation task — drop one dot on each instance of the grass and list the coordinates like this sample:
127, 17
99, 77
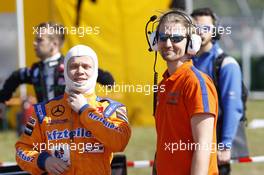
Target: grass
143, 141
7, 146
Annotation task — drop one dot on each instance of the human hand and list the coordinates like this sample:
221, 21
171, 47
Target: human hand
77, 101
55, 166
223, 156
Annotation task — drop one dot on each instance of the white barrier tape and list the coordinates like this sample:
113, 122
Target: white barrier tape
149, 163
7, 163
256, 159
256, 123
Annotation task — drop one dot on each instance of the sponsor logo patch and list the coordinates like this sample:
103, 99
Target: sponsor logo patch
100, 109
173, 98
65, 134
62, 152
102, 120
55, 122
31, 121
28, 129
23, 156
58, 110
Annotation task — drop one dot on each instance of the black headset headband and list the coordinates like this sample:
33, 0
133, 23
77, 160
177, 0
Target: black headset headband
185, 16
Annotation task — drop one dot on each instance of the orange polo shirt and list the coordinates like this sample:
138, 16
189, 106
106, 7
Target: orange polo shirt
182, 95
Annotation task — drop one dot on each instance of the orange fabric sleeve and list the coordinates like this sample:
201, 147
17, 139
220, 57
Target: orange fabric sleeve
200, 97
27, 147
114, 132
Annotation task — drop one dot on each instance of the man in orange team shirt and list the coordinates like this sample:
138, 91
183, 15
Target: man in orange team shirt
186, 112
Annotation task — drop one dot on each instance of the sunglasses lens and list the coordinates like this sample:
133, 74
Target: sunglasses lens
174, 38
163, 38
177, 39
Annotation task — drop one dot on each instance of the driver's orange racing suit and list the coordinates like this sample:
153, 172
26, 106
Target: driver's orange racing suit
86, 140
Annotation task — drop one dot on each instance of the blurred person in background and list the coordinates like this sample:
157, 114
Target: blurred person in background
26, 112
46, 75
228, 81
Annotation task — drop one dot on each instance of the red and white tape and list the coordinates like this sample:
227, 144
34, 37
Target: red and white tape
149, 163
140, 163
255, 159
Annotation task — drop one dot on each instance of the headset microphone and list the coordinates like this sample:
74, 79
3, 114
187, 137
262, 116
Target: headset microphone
152, 19
192, 47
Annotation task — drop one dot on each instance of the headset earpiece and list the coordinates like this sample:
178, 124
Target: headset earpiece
194, 41
151, 36
194, 44
153, 41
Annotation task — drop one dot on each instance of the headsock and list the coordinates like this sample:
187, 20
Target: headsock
87, 87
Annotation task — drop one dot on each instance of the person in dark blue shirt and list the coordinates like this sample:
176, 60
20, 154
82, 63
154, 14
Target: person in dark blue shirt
46, 75
229, 84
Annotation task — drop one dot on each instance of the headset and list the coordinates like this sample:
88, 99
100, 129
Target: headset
193, 40
192, 46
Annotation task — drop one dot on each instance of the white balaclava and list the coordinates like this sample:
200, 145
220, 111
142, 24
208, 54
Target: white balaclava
87, 87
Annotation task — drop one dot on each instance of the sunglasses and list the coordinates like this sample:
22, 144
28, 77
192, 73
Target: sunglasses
173, 38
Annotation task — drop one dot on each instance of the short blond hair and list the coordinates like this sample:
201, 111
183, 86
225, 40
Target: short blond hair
177, 16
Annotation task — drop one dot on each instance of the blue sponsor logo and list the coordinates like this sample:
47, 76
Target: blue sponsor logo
65, 134
102, 120
23, 156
